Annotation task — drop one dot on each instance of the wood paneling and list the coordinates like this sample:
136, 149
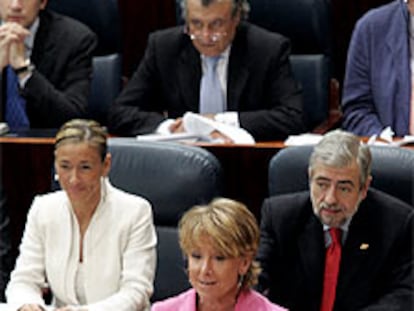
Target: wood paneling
139, 18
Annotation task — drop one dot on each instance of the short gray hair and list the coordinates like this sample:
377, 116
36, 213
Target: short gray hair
238, 5
339, 149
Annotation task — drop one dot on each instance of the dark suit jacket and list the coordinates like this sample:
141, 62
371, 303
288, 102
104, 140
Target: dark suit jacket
377, 84
59, 87
292, 255
260, 85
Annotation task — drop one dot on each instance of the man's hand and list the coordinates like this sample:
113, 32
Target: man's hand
216, 135
17, 56
209, 116
177, 126
6, 37
12, 49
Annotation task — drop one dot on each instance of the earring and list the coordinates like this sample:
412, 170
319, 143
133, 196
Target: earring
56, 177
241, 280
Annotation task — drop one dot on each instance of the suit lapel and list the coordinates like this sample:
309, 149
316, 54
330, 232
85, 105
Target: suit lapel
237, 71
189, 75
44, 47
357, 253
312, 253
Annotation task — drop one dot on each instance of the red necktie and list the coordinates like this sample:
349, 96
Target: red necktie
332, 260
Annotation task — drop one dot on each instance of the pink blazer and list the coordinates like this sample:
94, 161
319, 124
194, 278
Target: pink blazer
248, 300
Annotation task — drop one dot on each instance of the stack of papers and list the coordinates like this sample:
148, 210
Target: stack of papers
303, 139
199, 128
385, 138
186, 137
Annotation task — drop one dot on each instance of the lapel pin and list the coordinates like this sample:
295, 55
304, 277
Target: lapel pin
364, 246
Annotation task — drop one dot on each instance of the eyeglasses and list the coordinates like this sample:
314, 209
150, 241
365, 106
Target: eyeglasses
202, 35
212, 31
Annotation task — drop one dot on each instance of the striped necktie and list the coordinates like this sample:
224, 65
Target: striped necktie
211, 94
16, 116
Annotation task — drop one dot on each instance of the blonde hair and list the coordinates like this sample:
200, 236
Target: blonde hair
80, 130
230, 226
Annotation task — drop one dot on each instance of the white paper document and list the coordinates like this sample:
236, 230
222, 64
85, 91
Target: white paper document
4, 128
172, 137
198, 128
303, 139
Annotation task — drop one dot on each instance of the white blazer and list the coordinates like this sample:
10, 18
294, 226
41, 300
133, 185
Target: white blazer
119, 254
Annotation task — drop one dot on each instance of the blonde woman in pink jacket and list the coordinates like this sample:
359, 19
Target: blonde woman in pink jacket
220, 241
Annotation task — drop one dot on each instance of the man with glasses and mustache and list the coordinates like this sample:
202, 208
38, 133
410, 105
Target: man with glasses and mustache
251, 85
341, 245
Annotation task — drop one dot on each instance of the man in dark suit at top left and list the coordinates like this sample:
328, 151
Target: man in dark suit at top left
51, 55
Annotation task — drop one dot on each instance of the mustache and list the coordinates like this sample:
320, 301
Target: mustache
332, 207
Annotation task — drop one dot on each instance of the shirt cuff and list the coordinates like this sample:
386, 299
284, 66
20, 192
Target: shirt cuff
22, 82
164, 127
229, 118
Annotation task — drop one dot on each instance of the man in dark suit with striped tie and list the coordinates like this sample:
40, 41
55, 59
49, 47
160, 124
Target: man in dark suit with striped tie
256, 88
46, 65
340, 246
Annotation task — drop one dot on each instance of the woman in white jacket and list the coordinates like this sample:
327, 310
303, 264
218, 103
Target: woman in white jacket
93, 244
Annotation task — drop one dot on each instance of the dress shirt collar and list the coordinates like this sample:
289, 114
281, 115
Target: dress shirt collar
225, 54
344, 228
222, 63
29, 41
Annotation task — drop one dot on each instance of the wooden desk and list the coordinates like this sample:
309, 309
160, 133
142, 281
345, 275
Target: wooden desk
26, 171
27, 162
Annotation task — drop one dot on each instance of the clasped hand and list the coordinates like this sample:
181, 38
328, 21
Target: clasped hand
177, 127
12, 48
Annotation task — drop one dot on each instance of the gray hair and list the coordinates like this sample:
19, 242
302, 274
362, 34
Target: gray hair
339, 149
238, 5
